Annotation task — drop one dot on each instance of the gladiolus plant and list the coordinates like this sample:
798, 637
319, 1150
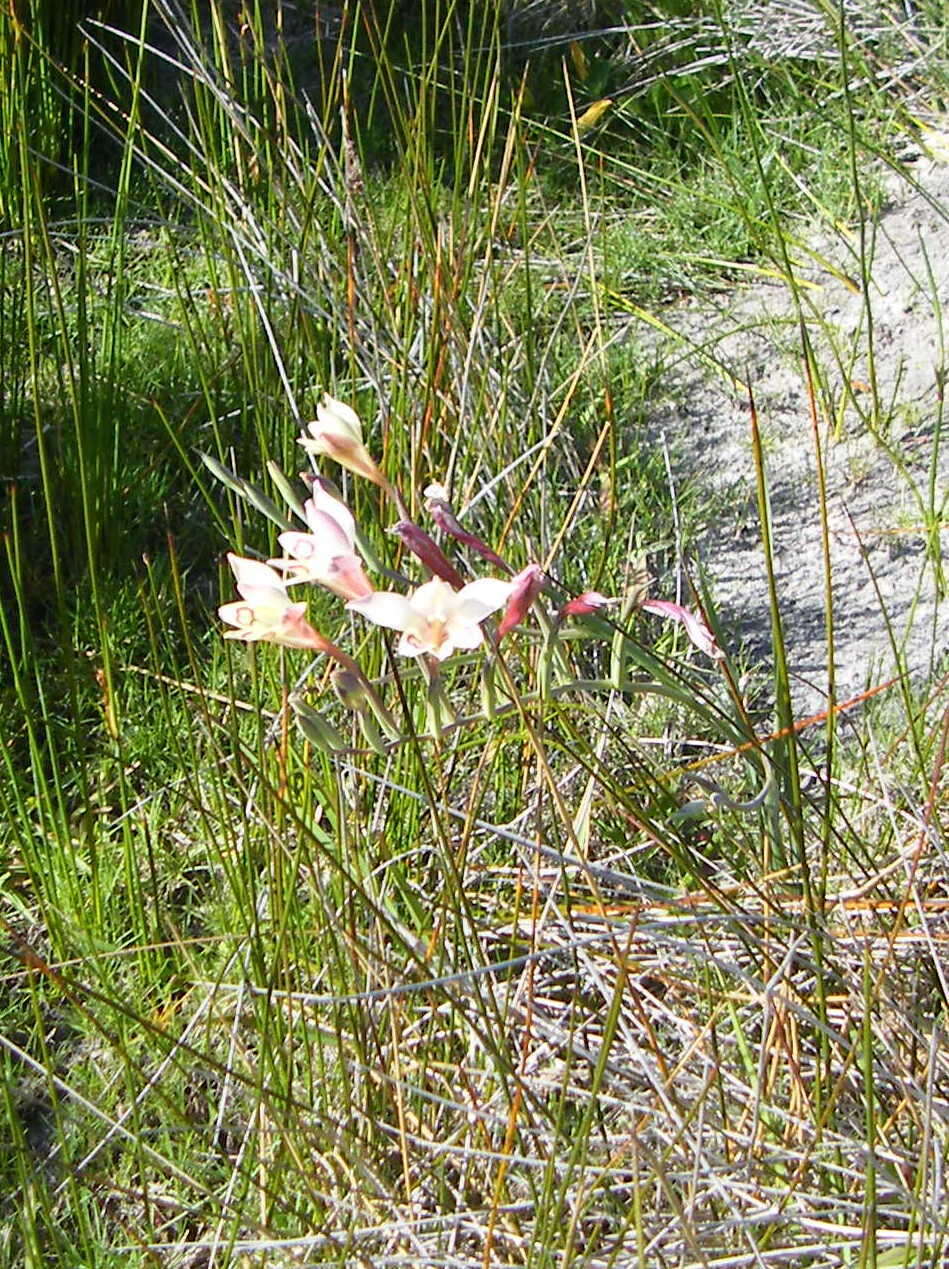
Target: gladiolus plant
447, 611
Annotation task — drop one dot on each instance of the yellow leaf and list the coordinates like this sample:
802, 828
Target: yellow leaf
593, 114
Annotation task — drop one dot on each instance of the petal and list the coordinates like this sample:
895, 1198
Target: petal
434, 600
253, 573
480, 599
252, 612
239, 613
301, 546
346, 578
265, 598
338, 416
411, 645
329, 532
321, 507
386, 608
249, 627
464, 635
296, 632
295, 571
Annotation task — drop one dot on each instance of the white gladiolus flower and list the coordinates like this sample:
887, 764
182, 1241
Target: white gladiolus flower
326, 554
337, 432
435, 618
265, 611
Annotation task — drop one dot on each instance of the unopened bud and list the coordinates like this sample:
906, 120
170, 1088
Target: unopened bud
315, 728
350, 689
428, 551
355, 692
527, 585
589, 602
438, 507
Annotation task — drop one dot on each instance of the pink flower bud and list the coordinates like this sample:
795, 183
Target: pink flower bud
590, 601
428, 551
695, 625
439, 509
527, 585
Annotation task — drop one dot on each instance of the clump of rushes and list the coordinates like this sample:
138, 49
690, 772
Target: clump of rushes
442, 615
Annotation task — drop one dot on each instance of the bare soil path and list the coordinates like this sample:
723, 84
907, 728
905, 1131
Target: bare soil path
882, 364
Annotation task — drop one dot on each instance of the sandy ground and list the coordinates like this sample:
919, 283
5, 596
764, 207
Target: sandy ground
885, 464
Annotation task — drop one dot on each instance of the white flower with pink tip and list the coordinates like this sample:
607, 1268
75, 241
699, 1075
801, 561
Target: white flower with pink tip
265, 612
436, 618
337, 432
326, 554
